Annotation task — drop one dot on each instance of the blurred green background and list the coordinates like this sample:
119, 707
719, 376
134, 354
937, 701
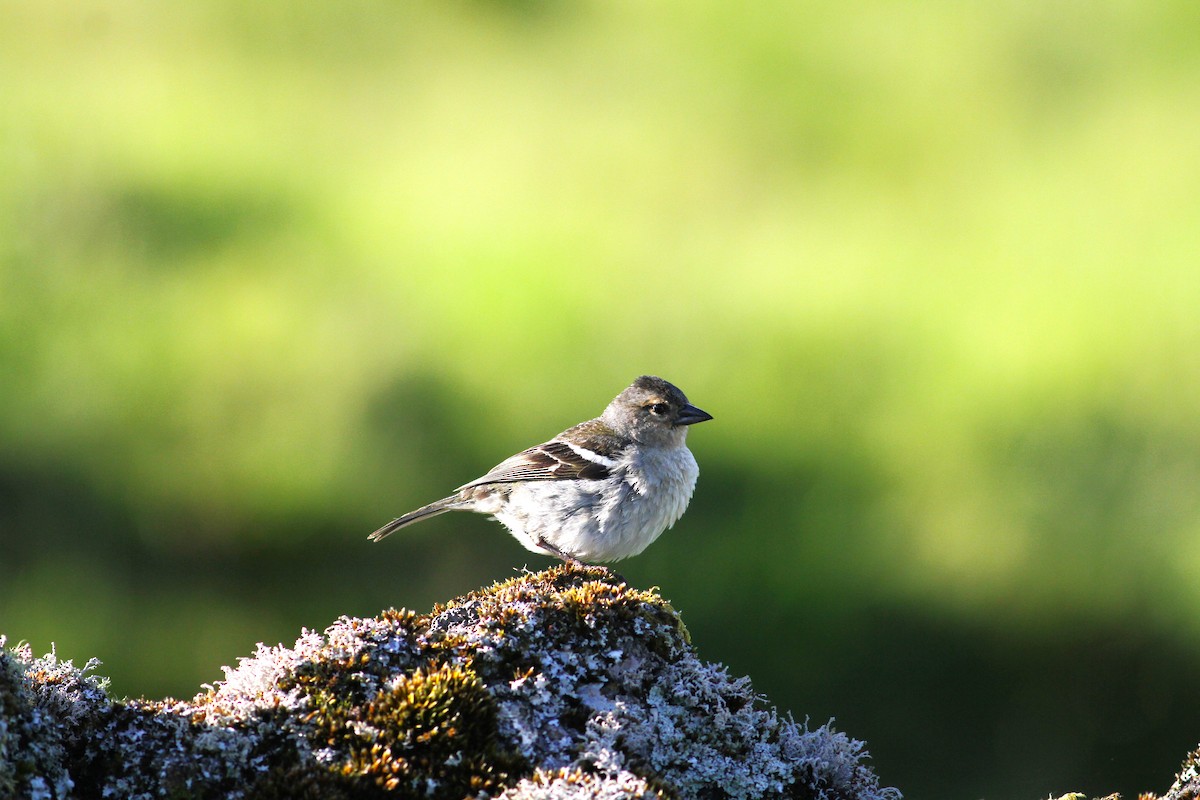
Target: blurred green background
272, 274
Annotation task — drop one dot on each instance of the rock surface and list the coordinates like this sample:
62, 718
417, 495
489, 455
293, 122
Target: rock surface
560, 684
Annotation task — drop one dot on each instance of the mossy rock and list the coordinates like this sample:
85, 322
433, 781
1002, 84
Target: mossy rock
565, 683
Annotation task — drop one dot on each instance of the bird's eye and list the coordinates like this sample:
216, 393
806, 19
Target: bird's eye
658, 409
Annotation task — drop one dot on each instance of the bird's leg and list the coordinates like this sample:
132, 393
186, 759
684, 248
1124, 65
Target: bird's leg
574, 563
570, 560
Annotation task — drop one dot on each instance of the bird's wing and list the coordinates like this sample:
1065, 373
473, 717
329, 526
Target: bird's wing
586, 452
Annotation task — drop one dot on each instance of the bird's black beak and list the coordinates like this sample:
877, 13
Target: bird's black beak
690, 415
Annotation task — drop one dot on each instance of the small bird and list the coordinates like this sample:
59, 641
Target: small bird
600, 491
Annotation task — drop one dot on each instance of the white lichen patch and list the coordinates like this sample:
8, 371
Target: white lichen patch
579, 785
254, 684
42, 700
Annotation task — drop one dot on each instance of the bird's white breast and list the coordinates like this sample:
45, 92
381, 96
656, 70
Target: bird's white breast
609, 519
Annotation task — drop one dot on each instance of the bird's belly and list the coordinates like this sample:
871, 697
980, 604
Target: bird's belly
594, 521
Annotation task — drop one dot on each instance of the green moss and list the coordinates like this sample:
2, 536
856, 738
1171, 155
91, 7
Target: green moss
589, 597
295, 781
430, 733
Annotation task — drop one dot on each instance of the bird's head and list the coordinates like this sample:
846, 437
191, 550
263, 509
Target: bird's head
653, 411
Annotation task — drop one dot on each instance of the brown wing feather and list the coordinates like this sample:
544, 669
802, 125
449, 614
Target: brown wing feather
552, 461
557, 461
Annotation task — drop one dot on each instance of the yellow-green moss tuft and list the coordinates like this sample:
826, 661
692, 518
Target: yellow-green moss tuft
430, 733
590, 597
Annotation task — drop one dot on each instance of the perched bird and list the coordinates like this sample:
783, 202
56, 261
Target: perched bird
600, 491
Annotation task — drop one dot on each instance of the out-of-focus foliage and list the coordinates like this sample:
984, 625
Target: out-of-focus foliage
271, 274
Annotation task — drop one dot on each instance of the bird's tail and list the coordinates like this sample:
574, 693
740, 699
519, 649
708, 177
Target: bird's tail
431, 510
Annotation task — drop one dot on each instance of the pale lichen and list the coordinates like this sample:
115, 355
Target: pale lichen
42, 700
567, 784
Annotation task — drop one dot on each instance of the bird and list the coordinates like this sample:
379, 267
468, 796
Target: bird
600, 491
